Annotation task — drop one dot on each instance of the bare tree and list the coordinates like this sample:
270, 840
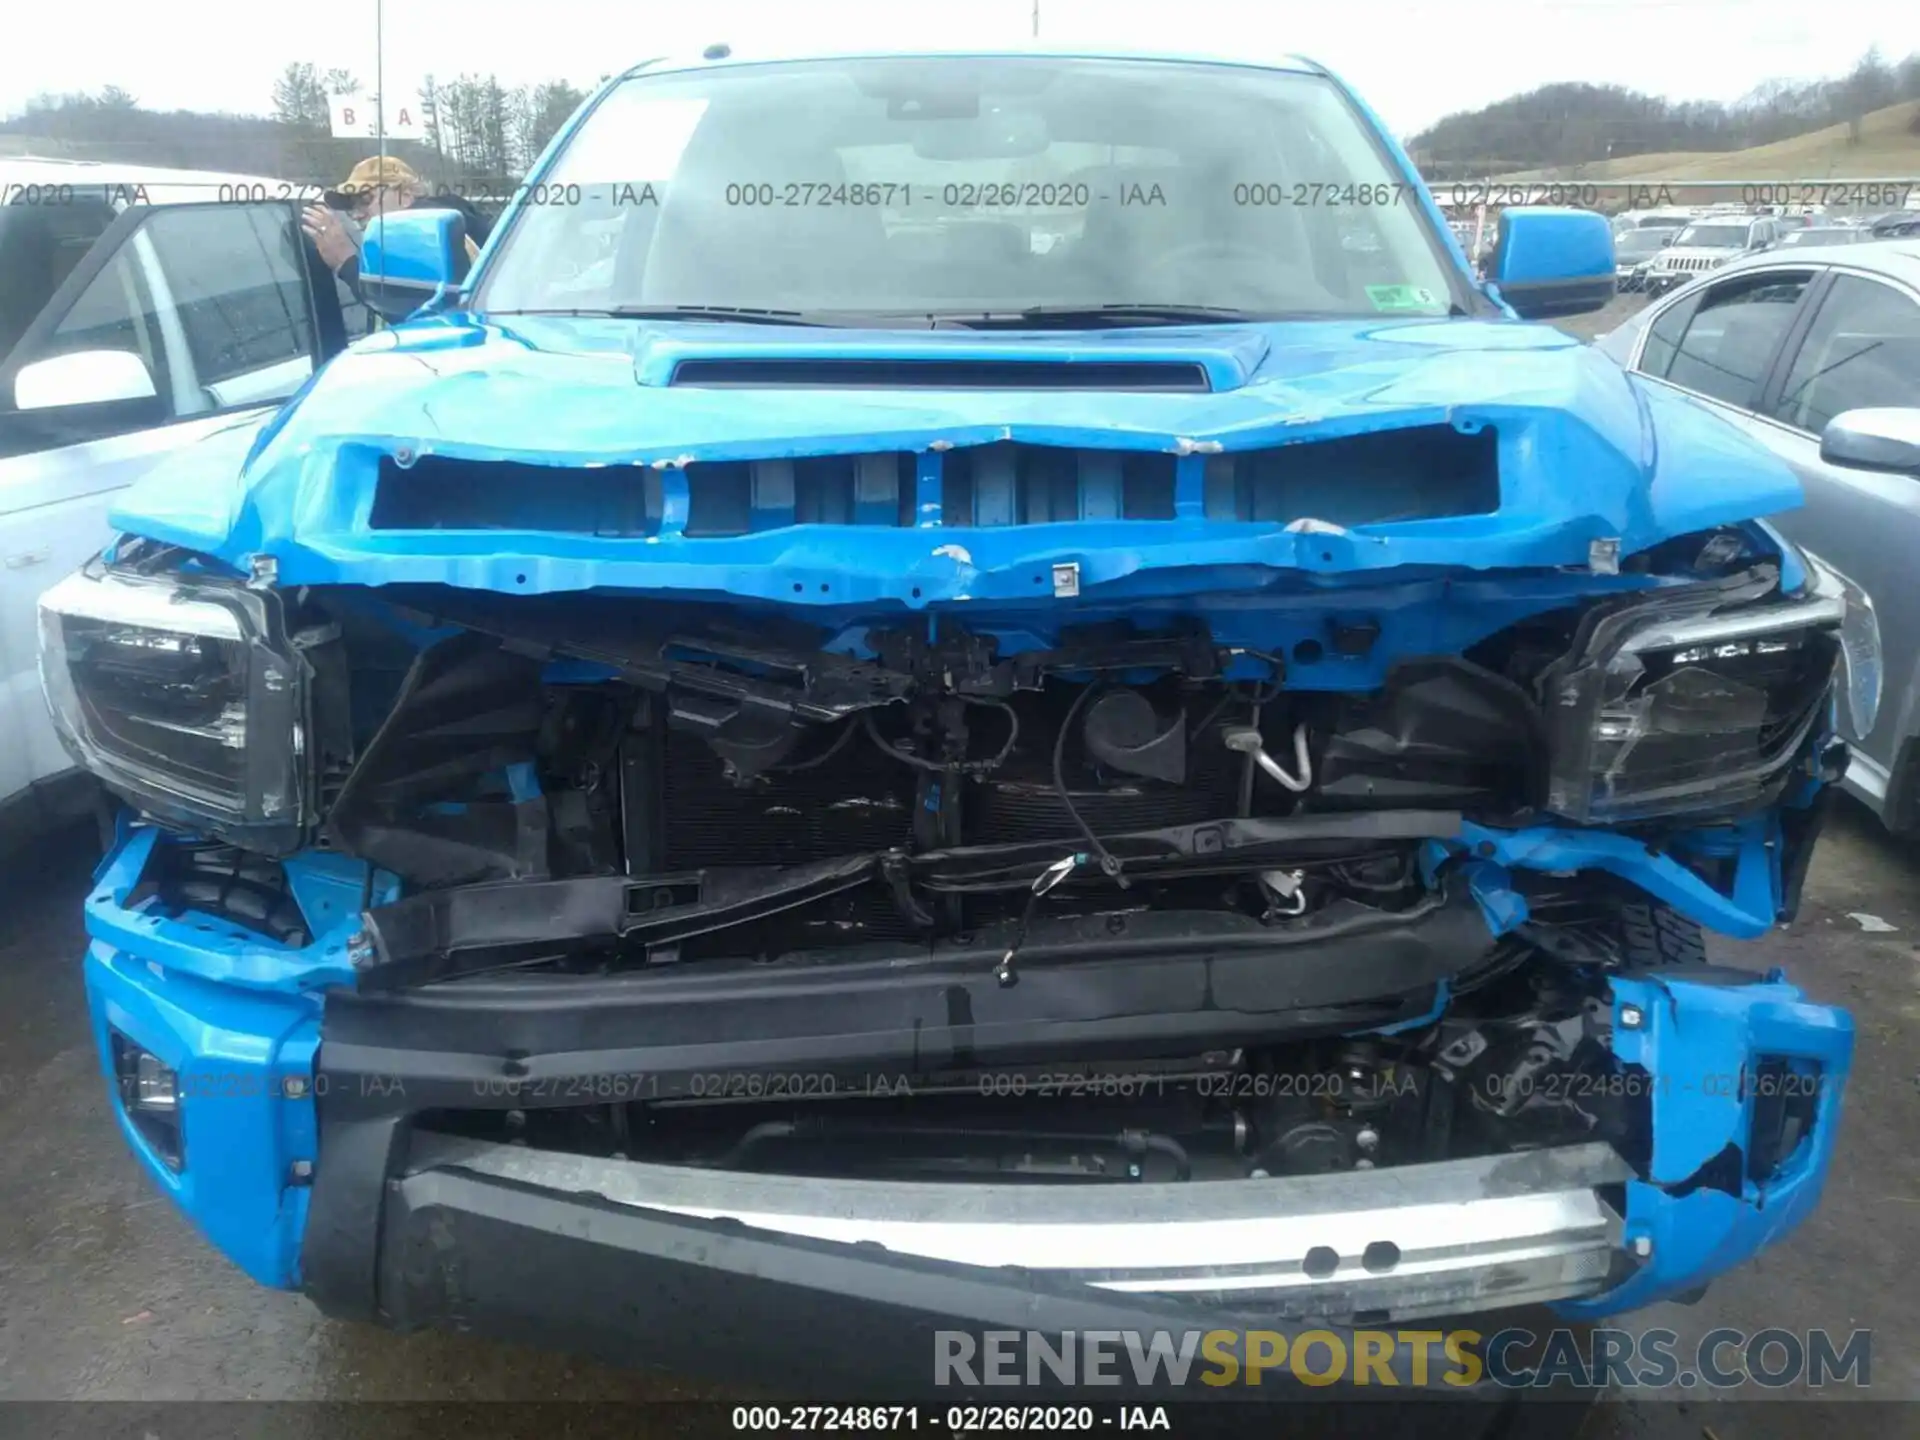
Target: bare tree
552, 106
299, 98
1870, 86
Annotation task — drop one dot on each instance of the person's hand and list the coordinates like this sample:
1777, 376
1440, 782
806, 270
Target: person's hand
329, 236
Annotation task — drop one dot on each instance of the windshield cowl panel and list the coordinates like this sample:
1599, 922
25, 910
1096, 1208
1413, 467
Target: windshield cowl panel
995, 186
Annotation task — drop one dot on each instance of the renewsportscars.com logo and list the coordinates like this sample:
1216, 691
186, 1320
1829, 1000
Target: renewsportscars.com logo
1514, 1358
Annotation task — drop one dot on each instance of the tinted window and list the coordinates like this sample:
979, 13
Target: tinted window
1663, 339
1820, 237
39, 246
115, 312
1730, 337
1862, 349
239, 284
1638, 244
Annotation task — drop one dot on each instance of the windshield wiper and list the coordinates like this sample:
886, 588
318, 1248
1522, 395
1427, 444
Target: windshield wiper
742, 316
1119, 313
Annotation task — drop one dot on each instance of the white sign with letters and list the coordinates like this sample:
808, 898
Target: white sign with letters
357, 117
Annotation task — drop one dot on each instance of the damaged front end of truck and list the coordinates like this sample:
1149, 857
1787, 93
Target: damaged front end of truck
638, 829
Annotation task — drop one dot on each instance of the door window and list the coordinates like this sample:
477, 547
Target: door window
215, 300
1722, 344
1863, 349
115, 312
1664, 336
238, 281
39, 247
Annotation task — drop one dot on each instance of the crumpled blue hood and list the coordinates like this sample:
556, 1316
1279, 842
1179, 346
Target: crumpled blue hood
1585, 453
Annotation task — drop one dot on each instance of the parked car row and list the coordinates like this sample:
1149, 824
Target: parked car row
1713, 241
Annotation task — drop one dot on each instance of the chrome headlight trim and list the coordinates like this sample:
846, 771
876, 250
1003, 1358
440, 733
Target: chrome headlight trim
1726, 681
1820, 609
1862, 666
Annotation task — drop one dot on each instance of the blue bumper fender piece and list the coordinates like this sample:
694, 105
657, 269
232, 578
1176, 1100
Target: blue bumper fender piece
236, 1017
1695, 1046
244, 1126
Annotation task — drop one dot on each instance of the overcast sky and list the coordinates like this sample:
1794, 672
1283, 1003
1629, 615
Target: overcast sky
1414, 60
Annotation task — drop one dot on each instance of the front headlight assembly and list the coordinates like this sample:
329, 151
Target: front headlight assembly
187, 697
1701, 699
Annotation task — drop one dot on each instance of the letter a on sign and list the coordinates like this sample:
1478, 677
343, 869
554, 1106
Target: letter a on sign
357, 117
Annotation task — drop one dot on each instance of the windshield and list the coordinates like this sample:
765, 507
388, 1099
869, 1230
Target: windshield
1638, 243
1721, 236
1817, 237
913, 186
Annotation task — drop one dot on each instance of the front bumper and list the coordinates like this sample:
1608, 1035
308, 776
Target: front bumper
310, 1160
825, 1283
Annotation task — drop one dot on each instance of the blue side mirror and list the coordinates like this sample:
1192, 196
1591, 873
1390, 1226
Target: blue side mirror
405, 256
1549, 261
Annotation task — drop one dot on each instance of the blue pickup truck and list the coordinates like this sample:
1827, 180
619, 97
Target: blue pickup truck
958, 691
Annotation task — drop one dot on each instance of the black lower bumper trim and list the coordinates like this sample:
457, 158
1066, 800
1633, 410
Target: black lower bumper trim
1163, 984
720, 1300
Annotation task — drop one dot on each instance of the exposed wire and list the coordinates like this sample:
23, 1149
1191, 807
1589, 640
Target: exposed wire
840, 743
1109, 865
1150, 867
1048, 880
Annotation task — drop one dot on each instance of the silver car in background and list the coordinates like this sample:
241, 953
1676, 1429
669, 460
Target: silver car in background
1709, 243
1823, 235
1815, 352
1634, 252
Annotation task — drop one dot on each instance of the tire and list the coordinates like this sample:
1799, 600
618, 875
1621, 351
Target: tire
1653, 934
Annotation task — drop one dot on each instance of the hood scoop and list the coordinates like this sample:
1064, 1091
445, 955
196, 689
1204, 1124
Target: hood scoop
825, 374
1171, 360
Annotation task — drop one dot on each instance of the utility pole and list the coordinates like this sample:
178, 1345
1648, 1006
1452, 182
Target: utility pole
1036, 19
380, 103
380, 80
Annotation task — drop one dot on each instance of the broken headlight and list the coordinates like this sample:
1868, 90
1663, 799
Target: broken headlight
1702, 699
184, 696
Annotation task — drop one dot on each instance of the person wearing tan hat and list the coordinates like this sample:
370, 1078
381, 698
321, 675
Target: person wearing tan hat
376, 185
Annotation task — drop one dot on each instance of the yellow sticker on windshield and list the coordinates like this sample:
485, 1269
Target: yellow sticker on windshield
1402, 297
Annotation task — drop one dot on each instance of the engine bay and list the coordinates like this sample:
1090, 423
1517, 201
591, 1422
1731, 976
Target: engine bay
1125, 900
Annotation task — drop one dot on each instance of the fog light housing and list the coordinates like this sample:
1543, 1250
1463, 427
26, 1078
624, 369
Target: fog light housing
150, 1095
